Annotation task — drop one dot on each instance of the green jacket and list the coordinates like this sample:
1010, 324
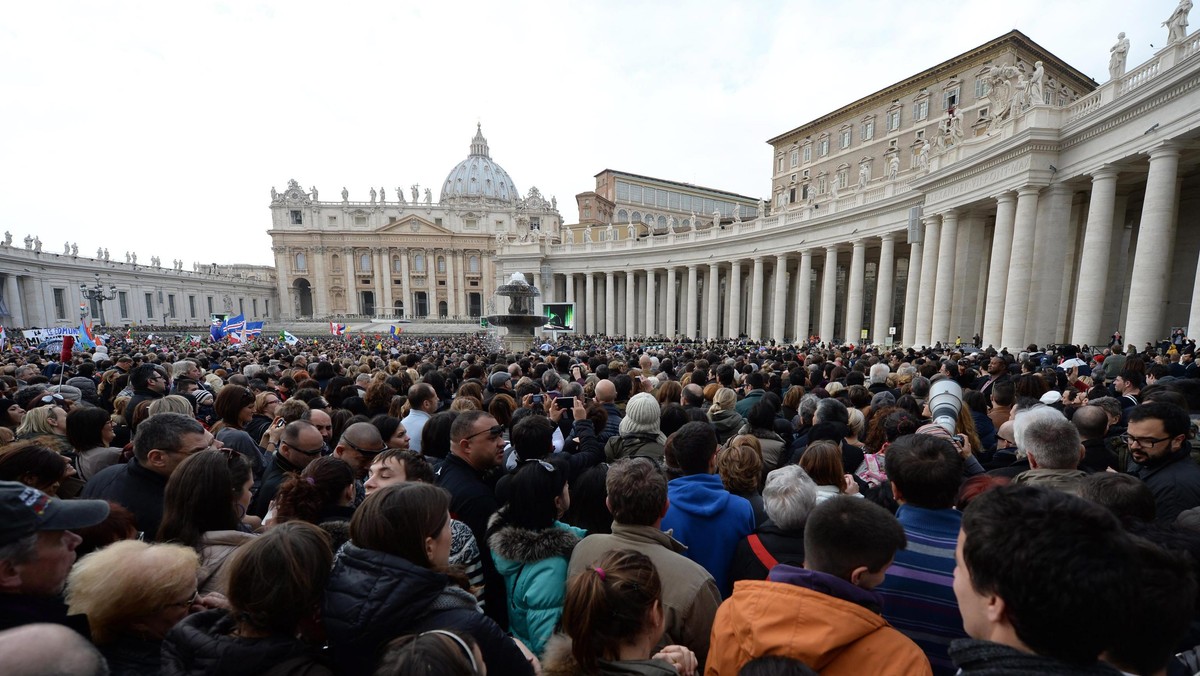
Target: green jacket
534, 566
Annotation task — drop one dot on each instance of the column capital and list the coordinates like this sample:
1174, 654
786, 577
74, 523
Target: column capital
888, 236
1006, 196
1165, 149
832, 247
860, 243
1107, 172
1029, 190
692, 266
950, 213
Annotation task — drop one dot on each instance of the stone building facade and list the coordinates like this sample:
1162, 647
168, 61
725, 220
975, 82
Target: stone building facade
1000, 192
42, 288
400, 254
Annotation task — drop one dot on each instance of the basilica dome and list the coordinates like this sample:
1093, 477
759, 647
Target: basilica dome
479, 178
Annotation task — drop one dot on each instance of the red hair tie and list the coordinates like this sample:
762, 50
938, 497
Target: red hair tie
599, 571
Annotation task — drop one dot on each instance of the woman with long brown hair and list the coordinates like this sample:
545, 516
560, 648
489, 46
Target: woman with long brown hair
393, 578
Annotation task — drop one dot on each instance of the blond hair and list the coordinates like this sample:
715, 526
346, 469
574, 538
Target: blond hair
724, 400
128, 581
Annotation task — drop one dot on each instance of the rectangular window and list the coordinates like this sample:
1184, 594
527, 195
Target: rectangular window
845, 139
471, 224
437, 221
266, 307
804, 191
535, 223
241, 306
674, 201
779, 165
823, 147
843, 177
868, 130
149, 306
60, 303
791, 195
795, 158
210, 305
192, 307
360, 220
808, 153
635, 194
297, 217
333, 220
920, 110
660, 199
950, 99
893, 120
123, 303
982, 88
171, 305
686, 203
648, 196
622, 196
254, 306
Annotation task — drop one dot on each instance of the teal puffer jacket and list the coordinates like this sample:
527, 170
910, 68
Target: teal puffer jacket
534, 566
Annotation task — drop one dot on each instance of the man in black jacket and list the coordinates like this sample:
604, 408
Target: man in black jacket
301, 444
161, 443
476, 448
1157, 438
149, 383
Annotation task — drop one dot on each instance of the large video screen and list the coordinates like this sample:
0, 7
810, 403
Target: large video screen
561, 316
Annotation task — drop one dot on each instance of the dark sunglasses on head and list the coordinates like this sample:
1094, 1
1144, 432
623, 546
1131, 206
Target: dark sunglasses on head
52, 399
495, 431
324, 448
364, 451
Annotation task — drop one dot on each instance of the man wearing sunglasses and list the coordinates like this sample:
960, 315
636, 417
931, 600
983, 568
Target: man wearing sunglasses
300, 445
358, 446
149, 383
476, 447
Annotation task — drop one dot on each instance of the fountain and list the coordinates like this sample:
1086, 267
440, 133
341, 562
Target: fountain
520, 321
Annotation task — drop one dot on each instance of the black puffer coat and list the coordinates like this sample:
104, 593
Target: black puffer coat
204, 645
373, 597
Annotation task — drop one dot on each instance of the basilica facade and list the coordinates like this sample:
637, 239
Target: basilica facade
401, 254
1001, 192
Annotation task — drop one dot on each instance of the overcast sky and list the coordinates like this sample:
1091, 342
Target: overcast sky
160, 127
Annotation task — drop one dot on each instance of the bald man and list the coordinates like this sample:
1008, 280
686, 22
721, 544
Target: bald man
1092, 423
606, 396
358, 446
38, 649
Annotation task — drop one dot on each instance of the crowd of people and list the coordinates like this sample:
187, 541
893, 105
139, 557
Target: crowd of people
598, 506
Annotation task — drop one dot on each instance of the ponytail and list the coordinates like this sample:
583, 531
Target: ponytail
301, 497
608, 604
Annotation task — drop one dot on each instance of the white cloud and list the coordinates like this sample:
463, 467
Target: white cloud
161, 127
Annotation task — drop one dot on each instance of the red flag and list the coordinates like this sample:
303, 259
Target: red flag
68, 343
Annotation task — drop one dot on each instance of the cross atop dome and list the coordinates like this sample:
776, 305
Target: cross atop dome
479, 144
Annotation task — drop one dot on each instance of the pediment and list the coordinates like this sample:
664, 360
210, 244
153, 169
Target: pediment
414, 224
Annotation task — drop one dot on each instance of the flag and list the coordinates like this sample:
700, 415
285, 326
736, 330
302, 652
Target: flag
337, 329
288, 338
379, 346
393, 331
217, 331
254, 329
234, 324
3, 338
85, 335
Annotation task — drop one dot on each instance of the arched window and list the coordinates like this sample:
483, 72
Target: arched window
622, 216
336, 261
364, 262
441, 264
443, 310
473, 264
301, 261
419, 263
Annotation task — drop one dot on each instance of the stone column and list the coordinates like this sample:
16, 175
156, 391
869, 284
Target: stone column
757, 294
377, 277
630, 303
320, 283
803, 298
735, 299
693, 302
997, 286
610, 303
885, 285
651, 303
829, 293
912, 293
1051, 243
388, 302
779, 302
929, 267
451, 291
405, 292
1155, 244
670, 330
854, 292
282, 265
589, 300
713, 296
569, 290
348, 263
943, 296
1020, 269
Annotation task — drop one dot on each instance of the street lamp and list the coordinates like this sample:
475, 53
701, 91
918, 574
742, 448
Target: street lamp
96, 293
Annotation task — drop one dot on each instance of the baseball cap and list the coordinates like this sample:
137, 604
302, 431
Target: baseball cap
25, 511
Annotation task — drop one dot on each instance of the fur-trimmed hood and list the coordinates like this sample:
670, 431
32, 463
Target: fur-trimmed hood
559, 661
527, 546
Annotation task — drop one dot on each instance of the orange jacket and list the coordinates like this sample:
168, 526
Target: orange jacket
832, 636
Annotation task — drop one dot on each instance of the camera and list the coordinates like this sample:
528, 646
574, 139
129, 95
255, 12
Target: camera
537, 399
945, 401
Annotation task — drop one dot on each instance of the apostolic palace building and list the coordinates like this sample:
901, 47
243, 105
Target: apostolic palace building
1000, 192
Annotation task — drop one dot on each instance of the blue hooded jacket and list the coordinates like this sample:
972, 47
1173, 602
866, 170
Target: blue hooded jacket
710, 521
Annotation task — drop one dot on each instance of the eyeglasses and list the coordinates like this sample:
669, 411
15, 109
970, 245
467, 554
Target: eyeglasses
544, 465
185, 604
364, 451
495, 431
324, 448
1143, 441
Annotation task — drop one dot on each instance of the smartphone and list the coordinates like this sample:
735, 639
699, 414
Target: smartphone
281, 423
565, 402
537, 398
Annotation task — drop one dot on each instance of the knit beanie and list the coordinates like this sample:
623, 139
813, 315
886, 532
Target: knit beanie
641, 416
882, 399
